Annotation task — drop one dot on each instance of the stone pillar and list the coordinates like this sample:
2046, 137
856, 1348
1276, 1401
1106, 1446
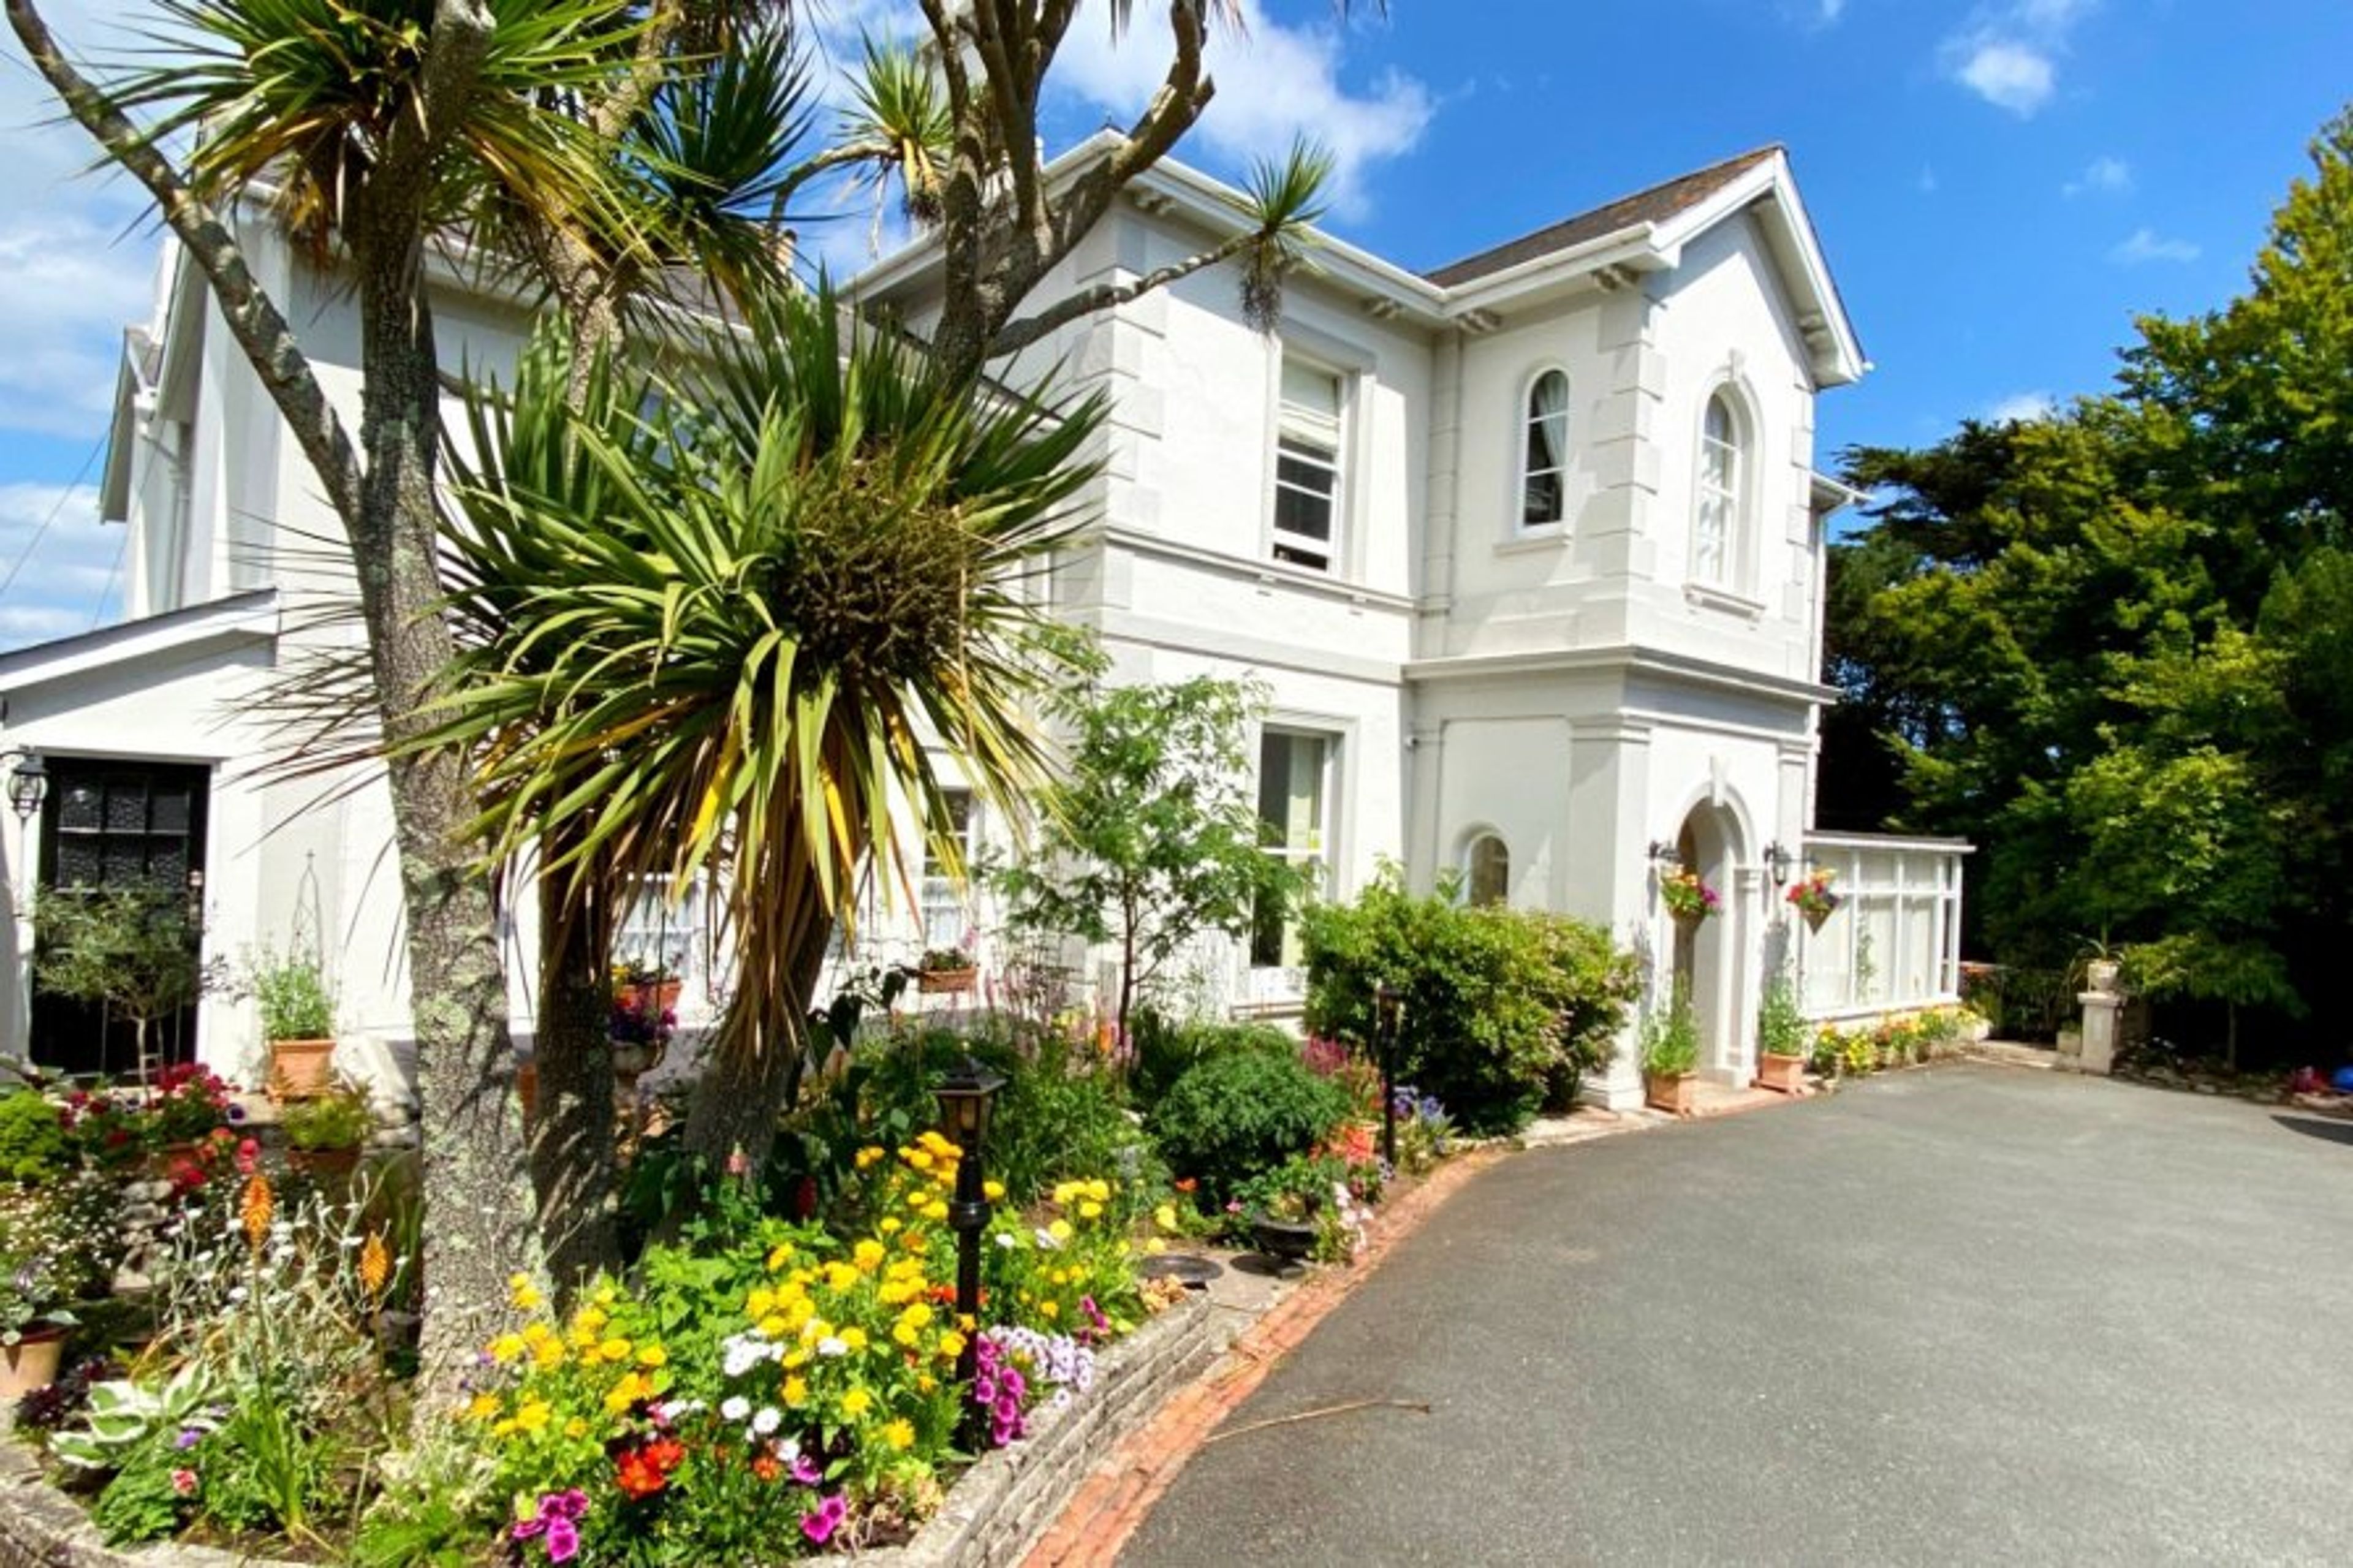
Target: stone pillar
2103, 1014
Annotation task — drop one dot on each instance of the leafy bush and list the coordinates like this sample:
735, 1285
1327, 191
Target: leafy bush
1781, 1022
1671, 1038
32, 1138
1496, 1000
1242, 1113
1166, 1050
292, 994
341, 1118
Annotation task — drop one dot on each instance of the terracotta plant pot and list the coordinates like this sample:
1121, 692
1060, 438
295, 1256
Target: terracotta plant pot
300, 1069
31, 1362
1674, 1093
657, 997
1785, 1075
947, 982
325, 1165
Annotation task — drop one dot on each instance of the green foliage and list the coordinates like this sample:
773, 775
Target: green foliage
1781, 1028
132, 947
1152, 837
293, 993
1240, 1113
32, 1145
1059, 1119
1671, 1038
141, 1501
1495, 999
341, 1118
2114, 646
1165, 1049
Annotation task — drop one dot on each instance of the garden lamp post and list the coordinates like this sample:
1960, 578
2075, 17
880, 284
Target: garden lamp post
1389, 1014
966, 1096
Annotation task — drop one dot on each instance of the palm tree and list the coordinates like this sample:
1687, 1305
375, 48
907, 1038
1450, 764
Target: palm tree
716, 622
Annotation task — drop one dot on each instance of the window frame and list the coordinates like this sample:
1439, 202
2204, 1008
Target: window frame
1522, 472
1323, 854
1471, 843
1735, 495
1300, 440
940, 896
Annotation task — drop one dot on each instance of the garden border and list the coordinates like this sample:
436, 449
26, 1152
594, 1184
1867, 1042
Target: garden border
993, 1515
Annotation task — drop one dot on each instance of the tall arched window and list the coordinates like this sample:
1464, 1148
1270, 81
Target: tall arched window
1544, 452
1715, 531
1487, 865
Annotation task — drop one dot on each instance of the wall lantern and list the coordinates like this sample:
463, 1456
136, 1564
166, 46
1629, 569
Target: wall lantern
27, 787
1777, 861
1663, 852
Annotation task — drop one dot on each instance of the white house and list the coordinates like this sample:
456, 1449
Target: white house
1528, 550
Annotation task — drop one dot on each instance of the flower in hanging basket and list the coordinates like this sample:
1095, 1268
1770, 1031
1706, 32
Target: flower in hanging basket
1686, 897
947, 960
1812, 896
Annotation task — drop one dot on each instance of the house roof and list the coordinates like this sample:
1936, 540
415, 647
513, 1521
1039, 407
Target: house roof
1656, 205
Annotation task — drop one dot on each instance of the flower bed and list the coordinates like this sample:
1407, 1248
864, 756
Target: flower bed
1852, 1047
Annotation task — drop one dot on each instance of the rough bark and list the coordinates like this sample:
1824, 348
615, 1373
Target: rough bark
482, 1225
571, 1150
743, 1092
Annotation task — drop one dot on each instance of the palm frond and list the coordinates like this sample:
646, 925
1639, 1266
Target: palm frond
1284, 201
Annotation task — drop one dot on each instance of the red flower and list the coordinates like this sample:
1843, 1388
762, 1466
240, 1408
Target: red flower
643, 1470
767, 1466
248, 1154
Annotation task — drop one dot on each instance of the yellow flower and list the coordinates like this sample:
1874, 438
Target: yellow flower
632, 1387
1098, 1190
935, 1212
483, 1406
504, 1428
868, 1254
760, 1303
256, 1208
605, 1295
993, 1190
841, 1276
889, 1225
868, 1155
376, 1266
926, 1383
653, 1355
895, 1291
853, 1338
547, 1354
507, 1347
951, 1346
614, 1349
920, 1158
905, 1336
918, 1198
775, 1327
523, 1293
1156, 1247
576, 1427
1165, 1216
900, 1434
590, 1320
1064, 1192
1059, 1230
797, 1391
918, 1316
1091, 1210
1049, 1309
855, 1402
533, 1417
793, 1358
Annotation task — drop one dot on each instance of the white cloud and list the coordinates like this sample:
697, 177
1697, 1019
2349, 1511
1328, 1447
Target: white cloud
2022, 406
2104, 175
1276, 82
2145, 244
68, 568
2009, 54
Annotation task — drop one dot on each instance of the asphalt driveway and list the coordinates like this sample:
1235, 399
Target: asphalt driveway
1973, 1314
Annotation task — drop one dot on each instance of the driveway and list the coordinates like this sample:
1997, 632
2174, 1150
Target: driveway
1974, 1314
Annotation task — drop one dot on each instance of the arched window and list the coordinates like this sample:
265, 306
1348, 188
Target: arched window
1544, 452
1488, 868
1723, 456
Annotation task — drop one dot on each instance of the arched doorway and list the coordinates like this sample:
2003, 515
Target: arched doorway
1707, 953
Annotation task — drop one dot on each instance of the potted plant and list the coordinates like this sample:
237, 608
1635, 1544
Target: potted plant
1671, 1054
1813, 898
648, 985
135, 949
1688, 899
298, 1022
639, 1030
43, 1266
1283, 1211
1781, 1039
947, 971
2101, 963
324, 1135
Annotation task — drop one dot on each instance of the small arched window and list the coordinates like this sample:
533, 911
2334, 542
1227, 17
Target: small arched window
1715, 531
1488, 865
1544, 452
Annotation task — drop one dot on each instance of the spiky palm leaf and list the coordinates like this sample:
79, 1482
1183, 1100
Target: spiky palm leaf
900, 116
716, 619
1285, 201
305, 95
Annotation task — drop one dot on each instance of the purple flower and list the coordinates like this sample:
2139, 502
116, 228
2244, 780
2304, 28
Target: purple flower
805, 1470
188, 1438
569, 1504
819, 1525
562, 1540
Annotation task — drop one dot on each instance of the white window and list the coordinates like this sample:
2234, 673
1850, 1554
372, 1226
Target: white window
1487, 870
655, 931
946, 918
1294, 772
1544, 453
1715, 531
1307, 462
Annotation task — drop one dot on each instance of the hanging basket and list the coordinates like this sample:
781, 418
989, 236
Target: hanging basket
1686, 921
1816, 915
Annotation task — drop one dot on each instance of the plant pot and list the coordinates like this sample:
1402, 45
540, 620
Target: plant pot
1674, 1092
325, 1165
947, 982
1285, 1240
31, 1362
2101, 974
1785, 1075
300, 1069
632, 1057
656, 997
1819, 915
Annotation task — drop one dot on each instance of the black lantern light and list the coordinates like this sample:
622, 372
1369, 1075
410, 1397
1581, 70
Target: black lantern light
1777, 861
967, 1096
28, 786
1388, 1020
1664, 852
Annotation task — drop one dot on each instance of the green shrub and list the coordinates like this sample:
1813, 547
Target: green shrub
1782, 1027
1166, 1050
1058, 1119
1498, 1002
292, 994
1239, 1113
1671, 1038
32, 1138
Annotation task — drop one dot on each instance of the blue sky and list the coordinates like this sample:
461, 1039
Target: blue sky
2000, 188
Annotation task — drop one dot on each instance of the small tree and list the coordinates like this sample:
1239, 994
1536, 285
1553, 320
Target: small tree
133, 949
1152, 838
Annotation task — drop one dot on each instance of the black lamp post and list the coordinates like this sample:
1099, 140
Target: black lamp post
1777, 861
1389, 1014
27, 787
967, 1097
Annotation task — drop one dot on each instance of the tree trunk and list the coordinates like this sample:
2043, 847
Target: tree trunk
572, 1154
741, 1093
480, 1229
